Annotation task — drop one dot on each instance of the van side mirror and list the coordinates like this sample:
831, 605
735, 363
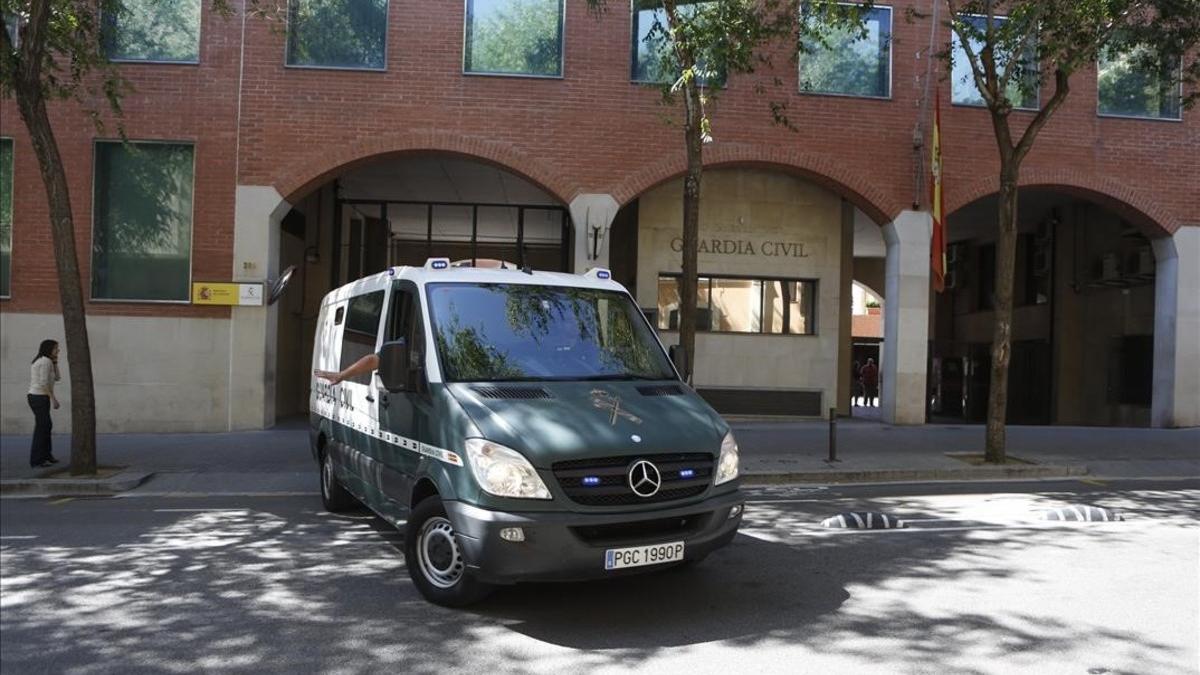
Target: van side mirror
393, 365
678, 356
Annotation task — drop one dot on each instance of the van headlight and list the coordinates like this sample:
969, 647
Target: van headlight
727, 463
503, 471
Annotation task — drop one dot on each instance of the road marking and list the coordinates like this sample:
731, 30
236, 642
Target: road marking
18, 536
1094, 481
63, 500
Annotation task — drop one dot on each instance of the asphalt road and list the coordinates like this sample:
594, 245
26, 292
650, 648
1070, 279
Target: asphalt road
273, 584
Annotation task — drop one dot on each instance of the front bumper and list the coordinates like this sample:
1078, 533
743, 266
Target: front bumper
566, 546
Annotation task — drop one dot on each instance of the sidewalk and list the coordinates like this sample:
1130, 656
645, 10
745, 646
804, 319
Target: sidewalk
278, 460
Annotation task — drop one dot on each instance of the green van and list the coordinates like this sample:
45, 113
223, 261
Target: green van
520, 425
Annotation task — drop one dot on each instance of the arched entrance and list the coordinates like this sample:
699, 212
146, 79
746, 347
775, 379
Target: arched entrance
401, 209
1083, 321
776, 263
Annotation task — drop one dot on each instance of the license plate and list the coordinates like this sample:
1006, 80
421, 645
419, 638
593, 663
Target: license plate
637, 556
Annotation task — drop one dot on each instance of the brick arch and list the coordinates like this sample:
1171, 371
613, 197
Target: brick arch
819, 168
1124, 200
322, 164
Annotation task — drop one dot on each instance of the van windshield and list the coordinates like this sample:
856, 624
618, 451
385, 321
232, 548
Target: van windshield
515, 332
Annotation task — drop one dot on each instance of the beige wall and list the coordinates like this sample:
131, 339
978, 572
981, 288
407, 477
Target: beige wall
756, 207
152, 374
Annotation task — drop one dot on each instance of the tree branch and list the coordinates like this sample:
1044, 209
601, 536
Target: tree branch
1016, 59
973, 59
1061, 89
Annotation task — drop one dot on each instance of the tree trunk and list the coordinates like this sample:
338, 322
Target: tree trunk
691, 227
1006, 255
32, 105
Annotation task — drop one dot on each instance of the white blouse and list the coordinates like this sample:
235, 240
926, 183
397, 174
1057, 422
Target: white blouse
42, 376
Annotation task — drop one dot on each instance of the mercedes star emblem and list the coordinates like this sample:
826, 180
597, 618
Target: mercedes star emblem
644, 478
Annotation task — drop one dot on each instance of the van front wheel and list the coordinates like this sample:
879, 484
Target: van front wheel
435, 559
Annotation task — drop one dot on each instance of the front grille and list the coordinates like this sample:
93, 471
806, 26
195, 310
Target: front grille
608, 483
656, 529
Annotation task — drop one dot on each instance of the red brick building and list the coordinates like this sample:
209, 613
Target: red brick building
334, 169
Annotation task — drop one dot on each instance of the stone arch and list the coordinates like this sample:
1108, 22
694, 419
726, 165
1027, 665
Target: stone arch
819, 168
1118, 197
322, 164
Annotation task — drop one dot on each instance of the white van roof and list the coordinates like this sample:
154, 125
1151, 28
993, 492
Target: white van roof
597, 278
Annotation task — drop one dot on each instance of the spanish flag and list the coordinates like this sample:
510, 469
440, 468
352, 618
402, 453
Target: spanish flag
937, 252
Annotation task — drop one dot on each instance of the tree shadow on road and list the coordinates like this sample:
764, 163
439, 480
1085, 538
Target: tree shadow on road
277, 585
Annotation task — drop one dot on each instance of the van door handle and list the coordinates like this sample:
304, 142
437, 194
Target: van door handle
370, 399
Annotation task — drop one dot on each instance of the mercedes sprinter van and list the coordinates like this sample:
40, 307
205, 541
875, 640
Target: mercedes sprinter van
518, 426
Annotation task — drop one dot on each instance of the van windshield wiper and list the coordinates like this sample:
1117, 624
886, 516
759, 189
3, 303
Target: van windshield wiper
620, 376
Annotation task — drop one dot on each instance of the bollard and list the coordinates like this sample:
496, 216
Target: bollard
833, 436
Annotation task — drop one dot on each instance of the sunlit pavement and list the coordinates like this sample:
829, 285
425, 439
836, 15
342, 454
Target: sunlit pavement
976, 584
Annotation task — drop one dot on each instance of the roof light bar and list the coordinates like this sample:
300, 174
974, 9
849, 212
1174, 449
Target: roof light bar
598, 273
437, 263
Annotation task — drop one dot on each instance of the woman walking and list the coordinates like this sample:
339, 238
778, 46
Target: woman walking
42, 375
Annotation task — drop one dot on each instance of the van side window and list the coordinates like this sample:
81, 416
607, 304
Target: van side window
399, 318
362, 326
404, 321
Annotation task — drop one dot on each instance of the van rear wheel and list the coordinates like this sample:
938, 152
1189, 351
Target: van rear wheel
334, 497
435, 560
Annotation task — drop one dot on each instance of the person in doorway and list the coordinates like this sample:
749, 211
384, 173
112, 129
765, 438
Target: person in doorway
855, 382
870, 382
43, 373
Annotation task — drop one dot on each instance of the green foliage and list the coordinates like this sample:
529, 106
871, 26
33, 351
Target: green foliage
682, 45
1020, 90
655, 62
560, 324
72, 53
68, 52
141, 244
1139, 83
850, 60
1061, 37
470, 356
532, 310
337, 33
514, 36
151, 30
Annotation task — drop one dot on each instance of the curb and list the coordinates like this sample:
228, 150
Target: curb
914, 475
74, 487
